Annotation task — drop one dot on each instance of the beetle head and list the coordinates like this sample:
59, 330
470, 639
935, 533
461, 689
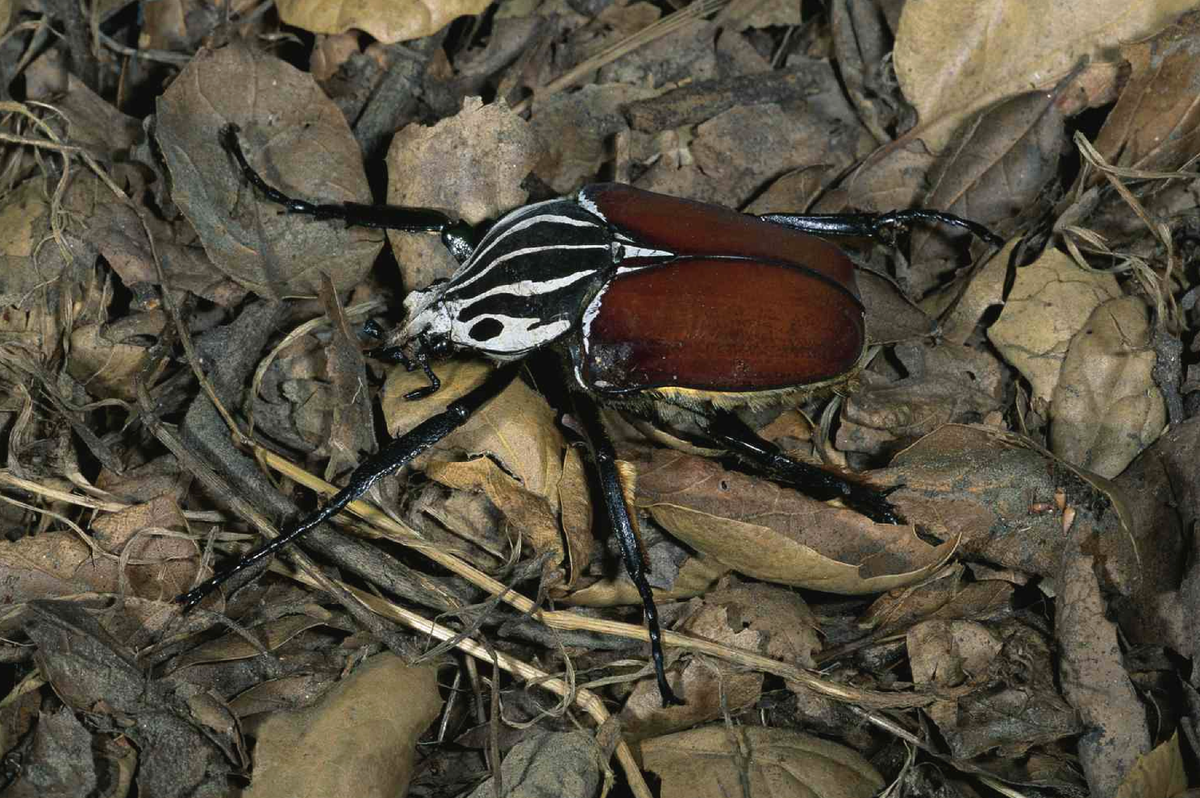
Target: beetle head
425, 336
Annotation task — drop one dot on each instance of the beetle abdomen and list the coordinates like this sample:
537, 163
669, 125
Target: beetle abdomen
719, 325
687, 227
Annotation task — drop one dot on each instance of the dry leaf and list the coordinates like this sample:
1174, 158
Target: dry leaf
1154, 125
529, 514
995, 171
710, 689
559, 764
299, 142
983, 487
779, 535
387, 20
517, 429
974, 294
1092, 671
357, 740
24, 224
953, 58
717, 762
150, 540
268, 636
696, 575
295, 691
949, 653
1050, 301
107, 357
492, 151
1106, 407
1158, 774
942, 384
1014, 702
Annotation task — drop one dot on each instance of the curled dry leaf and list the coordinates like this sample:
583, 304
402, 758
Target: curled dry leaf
517, 429
716, 762
248, 643
1050, 301
517, 455
994, 171
695, 577
24, 224
984, 488
562, 764
1106, 407
387, 20
469, 166
299, 142
357, 740
949, 653
779, 535
711, 688
106, 358
528, 513
1155, 125
978, 290
954, 58
942, 384
943, 596
1014, 703
294, 691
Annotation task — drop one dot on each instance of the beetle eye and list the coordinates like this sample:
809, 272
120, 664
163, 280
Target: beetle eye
486, 330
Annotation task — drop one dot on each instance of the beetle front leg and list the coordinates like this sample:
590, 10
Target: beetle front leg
733, 433
458, 236
612, 492
390, 459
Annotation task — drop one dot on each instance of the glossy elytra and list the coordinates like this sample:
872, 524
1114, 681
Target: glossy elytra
678, 311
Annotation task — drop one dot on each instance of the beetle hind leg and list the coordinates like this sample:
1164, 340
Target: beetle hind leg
733, 433
617, 508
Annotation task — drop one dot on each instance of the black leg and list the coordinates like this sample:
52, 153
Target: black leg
732, 433
613, 494
395, 455
459, 237
879, 226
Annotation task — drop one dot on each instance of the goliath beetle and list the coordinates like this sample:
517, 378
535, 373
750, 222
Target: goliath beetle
675, 310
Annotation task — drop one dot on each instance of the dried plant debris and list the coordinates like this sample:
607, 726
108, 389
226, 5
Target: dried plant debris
187, 369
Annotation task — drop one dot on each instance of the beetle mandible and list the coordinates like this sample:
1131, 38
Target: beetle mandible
675, 310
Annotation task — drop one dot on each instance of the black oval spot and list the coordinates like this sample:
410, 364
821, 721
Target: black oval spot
486, 330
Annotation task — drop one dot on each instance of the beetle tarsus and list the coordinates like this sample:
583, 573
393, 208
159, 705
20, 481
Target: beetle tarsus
434, 385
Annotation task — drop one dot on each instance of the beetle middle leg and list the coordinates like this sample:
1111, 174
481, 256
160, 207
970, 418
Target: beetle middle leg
398, 453
618, 511
877, 226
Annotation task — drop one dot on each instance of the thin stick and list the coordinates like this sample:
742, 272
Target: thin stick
395, 531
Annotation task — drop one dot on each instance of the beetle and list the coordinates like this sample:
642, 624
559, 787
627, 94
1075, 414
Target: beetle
674, 310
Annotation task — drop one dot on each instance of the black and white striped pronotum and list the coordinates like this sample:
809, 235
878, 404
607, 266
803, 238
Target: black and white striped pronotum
651, 300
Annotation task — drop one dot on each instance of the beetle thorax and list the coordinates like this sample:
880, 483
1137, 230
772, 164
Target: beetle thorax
523, 288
